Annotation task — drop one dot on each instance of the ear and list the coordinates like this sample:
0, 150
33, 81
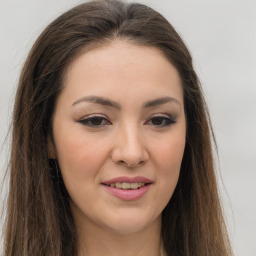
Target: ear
51, 148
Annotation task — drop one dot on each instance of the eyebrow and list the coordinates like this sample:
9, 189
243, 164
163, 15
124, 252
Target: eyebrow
110, 103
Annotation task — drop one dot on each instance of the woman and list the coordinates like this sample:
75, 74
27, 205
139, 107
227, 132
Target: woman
111, 150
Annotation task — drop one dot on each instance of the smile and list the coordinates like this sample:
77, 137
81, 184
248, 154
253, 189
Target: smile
128, 188
126, 185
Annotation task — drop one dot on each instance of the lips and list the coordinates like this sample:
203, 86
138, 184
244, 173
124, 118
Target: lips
128, 180
128, 188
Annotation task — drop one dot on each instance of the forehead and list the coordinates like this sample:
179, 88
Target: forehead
122, 66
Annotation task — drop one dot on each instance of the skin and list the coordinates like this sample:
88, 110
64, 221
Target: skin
125, 141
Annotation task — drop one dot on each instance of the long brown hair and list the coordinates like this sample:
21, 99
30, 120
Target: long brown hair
39, 220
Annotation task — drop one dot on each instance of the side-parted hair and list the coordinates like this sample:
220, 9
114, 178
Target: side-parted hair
39, 221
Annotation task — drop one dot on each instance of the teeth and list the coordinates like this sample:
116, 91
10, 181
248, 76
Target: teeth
126, 185
118, 185
134, 185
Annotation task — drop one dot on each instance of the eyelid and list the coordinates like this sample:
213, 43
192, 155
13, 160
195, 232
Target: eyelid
164, 115
88, 118
93, 115
167, 117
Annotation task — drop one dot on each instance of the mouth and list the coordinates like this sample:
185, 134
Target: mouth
128, 188
127, 185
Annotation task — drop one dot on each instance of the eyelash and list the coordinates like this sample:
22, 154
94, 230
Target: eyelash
88, 121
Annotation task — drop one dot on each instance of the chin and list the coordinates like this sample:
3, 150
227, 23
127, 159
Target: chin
127, 223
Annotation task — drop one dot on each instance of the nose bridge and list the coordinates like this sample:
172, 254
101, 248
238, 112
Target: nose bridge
130, 148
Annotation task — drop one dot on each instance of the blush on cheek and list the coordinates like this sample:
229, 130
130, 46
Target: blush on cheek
172, 154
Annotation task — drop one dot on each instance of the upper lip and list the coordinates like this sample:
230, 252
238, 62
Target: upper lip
128, 180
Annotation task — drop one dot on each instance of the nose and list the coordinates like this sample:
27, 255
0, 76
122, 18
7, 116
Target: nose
129, 148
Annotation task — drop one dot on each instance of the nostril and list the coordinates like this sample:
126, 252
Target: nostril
131, 165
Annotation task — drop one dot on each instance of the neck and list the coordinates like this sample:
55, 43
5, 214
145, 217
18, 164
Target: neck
94, 241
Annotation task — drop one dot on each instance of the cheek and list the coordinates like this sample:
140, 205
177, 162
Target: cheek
168, 159
76, 154
80, 163
170, 153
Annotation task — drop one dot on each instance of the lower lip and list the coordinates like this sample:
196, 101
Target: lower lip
128, 194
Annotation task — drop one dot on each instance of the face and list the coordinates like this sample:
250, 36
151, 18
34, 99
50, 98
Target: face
119, 136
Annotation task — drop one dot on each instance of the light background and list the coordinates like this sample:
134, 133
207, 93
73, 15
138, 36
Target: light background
221, 35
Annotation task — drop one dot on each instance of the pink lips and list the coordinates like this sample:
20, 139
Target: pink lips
128, 194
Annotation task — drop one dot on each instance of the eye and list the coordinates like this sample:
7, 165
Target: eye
95, 121
161, 121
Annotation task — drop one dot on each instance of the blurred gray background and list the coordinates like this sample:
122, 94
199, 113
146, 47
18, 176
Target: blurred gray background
221, 35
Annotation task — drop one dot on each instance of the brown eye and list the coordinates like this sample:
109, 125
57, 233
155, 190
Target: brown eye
95, 121
161, 121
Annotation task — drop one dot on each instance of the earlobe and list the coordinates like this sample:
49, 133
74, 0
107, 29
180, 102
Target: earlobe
51, 148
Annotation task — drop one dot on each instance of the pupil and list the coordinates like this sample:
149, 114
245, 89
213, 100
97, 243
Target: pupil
96, 121
157, 120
